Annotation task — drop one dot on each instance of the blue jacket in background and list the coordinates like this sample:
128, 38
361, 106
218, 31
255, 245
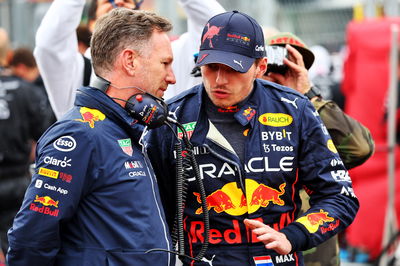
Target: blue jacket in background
94, 198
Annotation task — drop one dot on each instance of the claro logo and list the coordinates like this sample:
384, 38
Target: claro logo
65, 143
275, 119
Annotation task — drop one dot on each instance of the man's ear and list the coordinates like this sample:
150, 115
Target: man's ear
261, 67
129, 59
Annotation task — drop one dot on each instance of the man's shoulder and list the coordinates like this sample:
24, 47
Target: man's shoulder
278, 89
185, 95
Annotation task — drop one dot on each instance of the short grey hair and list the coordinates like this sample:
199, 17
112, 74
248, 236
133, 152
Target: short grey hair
120, 29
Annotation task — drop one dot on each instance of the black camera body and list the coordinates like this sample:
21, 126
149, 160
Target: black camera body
275, 56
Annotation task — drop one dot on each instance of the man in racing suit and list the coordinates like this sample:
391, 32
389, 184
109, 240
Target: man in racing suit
352, 140
94, 199
257, 144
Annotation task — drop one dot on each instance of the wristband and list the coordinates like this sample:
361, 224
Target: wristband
313, 92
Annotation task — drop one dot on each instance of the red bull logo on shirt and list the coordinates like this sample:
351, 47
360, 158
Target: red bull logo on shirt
46, 201
90, 116
249, 113
314, 220
231, 199
237, 233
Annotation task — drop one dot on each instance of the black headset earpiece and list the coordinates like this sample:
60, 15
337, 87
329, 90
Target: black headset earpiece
147, 109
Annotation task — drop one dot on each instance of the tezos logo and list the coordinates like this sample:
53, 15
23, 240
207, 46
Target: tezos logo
65, 143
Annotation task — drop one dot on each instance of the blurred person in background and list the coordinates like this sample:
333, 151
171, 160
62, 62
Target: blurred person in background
63, 68
22, 122
352, 140
23, 65
321, 75
83, 35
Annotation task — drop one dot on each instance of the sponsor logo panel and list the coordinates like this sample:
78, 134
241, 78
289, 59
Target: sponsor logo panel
331, 146
55, 174
65, 144
230, 198
277, 148
189, 127
48, 172
126, 146
42, 204
57, 162
314, 220
275, 119
90, 116
39, 184
341, 176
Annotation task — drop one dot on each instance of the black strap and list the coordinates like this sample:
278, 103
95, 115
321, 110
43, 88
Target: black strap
87, 71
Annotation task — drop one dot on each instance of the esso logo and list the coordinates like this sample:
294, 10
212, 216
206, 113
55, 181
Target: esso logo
65, 143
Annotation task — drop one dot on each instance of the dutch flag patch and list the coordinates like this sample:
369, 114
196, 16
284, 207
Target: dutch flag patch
263, 261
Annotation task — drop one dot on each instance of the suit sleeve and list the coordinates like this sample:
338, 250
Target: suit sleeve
56, 53
333, 204
63, 164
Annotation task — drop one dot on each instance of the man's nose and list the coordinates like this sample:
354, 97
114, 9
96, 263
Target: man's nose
170, 77
221, 77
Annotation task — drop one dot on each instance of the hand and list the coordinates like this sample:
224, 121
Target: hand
296, 77
271, 238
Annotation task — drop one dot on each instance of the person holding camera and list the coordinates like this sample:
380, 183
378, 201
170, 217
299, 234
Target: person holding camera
257, 143
288, 62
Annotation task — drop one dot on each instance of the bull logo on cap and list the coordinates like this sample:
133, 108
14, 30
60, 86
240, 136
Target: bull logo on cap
211, 33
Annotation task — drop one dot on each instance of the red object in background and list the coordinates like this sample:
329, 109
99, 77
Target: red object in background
365, 86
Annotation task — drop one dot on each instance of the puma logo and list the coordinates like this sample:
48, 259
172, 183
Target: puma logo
173, 114
208, 261
238, 62
289, 101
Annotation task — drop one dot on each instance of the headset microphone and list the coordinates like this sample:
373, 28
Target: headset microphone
147, 109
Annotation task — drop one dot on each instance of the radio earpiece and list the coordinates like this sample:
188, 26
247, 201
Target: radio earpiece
146, 108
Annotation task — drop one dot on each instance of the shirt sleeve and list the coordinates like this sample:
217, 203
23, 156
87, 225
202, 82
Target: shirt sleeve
60, 180
56, 53
352, 140
333, 204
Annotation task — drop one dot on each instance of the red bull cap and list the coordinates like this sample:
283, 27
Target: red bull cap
233, 39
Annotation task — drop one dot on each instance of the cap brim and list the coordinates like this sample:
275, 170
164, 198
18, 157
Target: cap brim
238, 62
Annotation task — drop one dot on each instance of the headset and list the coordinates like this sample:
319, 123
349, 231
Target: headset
146, 108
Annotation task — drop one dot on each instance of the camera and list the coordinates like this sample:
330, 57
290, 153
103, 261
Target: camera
275, 56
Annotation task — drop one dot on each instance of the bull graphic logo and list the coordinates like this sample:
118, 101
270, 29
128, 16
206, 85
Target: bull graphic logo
314, 220
211, 33
231, 199
263, 195
90, 116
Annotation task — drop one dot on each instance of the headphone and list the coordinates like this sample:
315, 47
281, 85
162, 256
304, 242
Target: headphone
146, 108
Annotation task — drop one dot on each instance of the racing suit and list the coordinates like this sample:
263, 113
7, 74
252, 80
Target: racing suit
93, 199
287, 148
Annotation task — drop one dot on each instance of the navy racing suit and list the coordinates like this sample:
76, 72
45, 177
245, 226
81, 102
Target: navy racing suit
94, 198
287, 148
